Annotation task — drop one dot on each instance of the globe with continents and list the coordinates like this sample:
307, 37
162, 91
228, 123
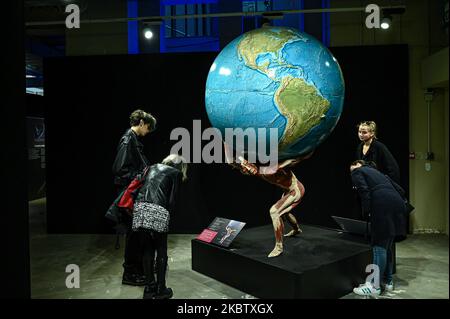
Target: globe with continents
276, 77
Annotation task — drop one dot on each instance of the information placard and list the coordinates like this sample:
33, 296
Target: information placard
221, 231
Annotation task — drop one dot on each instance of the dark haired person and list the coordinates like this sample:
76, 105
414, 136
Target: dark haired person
385, 209
152, 212
372, 150
130, 160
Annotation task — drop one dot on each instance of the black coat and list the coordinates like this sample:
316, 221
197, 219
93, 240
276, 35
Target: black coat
380, 155
382, 202
130, 159
161, 186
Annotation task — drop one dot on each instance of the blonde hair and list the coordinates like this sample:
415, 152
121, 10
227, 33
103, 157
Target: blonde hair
178, 162
371, 125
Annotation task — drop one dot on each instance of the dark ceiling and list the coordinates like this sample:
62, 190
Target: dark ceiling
44, 40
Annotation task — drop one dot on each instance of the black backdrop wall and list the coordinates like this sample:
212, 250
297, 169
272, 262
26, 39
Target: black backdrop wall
90, 98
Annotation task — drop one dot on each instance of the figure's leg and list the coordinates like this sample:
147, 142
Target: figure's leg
290, 218
278, 226
224, 238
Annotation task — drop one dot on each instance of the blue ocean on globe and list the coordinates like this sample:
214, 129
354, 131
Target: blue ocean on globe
277, 77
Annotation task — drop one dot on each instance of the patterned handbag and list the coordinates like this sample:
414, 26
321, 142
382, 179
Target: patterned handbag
150, 216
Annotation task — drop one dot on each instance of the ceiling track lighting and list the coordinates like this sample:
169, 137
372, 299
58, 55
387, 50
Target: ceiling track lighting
147, 31
388, 13
386, 22
268, 15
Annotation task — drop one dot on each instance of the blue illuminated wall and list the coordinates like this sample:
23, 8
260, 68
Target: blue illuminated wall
212, 34
189, 35
133, 29
326, 24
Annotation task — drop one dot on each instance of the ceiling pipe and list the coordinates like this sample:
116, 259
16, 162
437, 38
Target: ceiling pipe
215, 15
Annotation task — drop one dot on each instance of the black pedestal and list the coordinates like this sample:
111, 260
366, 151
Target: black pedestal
318, 263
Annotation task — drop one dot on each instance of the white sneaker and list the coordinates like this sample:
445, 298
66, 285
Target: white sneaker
389, 286
367, 289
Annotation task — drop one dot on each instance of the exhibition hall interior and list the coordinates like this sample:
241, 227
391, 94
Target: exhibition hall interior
226, 149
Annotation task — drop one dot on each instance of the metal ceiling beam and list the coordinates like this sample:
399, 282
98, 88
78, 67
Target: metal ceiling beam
215, 15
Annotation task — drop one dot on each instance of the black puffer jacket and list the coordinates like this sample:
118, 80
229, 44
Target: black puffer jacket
161, 186
130, 159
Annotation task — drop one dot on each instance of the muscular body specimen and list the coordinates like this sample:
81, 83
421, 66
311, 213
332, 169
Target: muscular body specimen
283, 177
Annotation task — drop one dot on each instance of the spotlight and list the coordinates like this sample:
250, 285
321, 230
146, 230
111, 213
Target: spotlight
147, 31
388, 13
148, 34
386, 22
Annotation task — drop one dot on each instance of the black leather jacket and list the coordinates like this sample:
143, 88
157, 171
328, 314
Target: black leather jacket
161, 186
130, 159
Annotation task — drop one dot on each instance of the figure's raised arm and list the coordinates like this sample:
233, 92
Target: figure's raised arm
244, 166
247, 167
289, 162
295, 161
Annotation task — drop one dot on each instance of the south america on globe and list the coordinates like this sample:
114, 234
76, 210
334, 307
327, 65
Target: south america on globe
281, 78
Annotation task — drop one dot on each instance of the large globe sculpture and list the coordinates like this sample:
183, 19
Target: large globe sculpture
277, 77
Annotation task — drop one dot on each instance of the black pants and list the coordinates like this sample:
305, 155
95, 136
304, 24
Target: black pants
133, 250
133, 258
154, 247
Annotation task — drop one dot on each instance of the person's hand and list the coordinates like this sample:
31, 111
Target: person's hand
295, 161
289, 162
269, 170
248, 167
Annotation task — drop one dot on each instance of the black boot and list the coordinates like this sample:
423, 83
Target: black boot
150, 291
151, 287
162, 292
133, 279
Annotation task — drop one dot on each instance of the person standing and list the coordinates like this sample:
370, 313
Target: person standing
384, 208
130, 161
153, 209
371, 150
375, 153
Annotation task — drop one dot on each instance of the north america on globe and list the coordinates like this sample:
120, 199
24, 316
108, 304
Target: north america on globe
277, 77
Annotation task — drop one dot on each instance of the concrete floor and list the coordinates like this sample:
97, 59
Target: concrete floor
422, 267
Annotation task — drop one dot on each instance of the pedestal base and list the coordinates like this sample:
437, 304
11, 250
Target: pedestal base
317, 263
